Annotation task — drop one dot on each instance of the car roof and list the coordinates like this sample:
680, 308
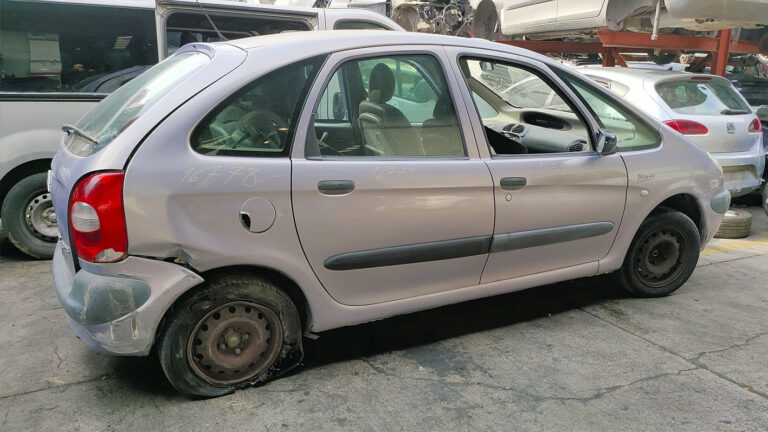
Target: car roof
326, 41
629, 75
218, 4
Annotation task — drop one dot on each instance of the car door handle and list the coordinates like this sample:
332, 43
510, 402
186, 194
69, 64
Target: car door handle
513, 183
335, 187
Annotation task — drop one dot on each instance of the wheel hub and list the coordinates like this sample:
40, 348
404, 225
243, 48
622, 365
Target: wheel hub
40, 217
234, 343
659, 258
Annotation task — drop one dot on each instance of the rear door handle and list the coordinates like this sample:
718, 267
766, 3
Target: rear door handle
513, 183
335, 187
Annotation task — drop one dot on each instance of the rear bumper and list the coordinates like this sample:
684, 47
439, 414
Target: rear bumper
116, 308
743, 171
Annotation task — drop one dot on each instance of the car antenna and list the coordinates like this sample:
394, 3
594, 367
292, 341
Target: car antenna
216, 29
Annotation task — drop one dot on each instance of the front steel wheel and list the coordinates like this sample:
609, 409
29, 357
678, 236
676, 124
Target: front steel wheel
662, 255
234, 331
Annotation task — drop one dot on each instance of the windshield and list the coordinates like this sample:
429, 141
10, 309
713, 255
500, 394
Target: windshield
518, 87
702, 97
121, 108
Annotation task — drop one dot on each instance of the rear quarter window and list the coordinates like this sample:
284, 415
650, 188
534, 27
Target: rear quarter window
260, 118
701, 97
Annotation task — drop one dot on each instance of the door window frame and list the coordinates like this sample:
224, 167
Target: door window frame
546, 73
305, 144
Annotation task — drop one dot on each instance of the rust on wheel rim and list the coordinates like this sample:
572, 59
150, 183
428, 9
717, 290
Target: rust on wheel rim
234, 343
661, 257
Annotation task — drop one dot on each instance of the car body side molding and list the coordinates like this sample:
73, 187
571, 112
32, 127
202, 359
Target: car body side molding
541, 237
409, 254
464, 247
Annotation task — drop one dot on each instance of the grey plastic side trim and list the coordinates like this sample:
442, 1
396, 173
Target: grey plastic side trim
541, 237
409, 254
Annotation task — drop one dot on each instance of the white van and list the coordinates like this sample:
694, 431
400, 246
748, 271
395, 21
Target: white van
58, 58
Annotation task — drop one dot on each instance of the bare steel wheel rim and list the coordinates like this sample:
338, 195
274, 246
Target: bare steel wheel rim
234, 343
40, 217
661, 257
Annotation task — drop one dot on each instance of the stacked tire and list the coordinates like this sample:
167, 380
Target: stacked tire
736, 224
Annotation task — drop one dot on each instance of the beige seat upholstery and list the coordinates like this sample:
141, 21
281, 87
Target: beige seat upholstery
386, 131
441, 135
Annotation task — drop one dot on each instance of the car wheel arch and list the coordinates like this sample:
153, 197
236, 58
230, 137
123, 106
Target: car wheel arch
20, 172
286, 284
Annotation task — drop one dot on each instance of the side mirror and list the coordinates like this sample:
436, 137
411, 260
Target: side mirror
606, 142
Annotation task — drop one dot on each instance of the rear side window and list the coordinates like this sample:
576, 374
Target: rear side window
701, 97
49, 47
260, 118
121, 108
189, 27
358, 25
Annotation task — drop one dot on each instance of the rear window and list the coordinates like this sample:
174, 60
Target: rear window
701, 97
49, 47
121, 108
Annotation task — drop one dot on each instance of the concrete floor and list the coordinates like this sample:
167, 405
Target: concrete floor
576, 356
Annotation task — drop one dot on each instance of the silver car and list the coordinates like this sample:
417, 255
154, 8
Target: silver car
239, 195
706, 108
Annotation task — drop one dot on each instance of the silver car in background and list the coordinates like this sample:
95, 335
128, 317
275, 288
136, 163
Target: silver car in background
240, 194
705, 108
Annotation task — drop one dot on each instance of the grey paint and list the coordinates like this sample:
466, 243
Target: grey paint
99, 299
395, 202
547, 236
720, 202
410, 254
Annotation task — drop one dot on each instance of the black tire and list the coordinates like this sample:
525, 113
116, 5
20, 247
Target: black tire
665, 239
662, 59
764, 195
253, 301
736, 224
20, 233
485, 22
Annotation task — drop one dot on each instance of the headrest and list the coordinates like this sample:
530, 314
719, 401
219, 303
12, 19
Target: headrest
443, 106
381, 85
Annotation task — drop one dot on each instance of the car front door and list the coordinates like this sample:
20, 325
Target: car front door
524, 13
558, 202
390, 197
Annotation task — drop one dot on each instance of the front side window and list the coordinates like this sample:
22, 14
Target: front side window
522, 111
49, 47
259, 119
631, 132
701, 96
189, 27
396, 106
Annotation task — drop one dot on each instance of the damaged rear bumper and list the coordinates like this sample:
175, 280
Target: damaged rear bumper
116, 308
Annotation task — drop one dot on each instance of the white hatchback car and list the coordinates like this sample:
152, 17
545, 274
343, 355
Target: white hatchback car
240, 194
705, 108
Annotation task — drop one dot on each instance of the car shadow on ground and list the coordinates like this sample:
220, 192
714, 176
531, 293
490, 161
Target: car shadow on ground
144, 374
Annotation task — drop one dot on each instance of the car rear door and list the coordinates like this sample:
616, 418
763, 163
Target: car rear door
553, 209
382, 220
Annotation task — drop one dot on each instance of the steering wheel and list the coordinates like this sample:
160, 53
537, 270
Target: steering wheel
261, 126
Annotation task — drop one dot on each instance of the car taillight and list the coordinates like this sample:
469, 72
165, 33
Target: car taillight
97, 218
755, 126
687, 127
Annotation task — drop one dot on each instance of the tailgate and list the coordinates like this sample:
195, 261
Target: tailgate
68, 168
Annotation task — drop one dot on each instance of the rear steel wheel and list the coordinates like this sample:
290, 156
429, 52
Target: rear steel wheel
236, 330
234, 343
